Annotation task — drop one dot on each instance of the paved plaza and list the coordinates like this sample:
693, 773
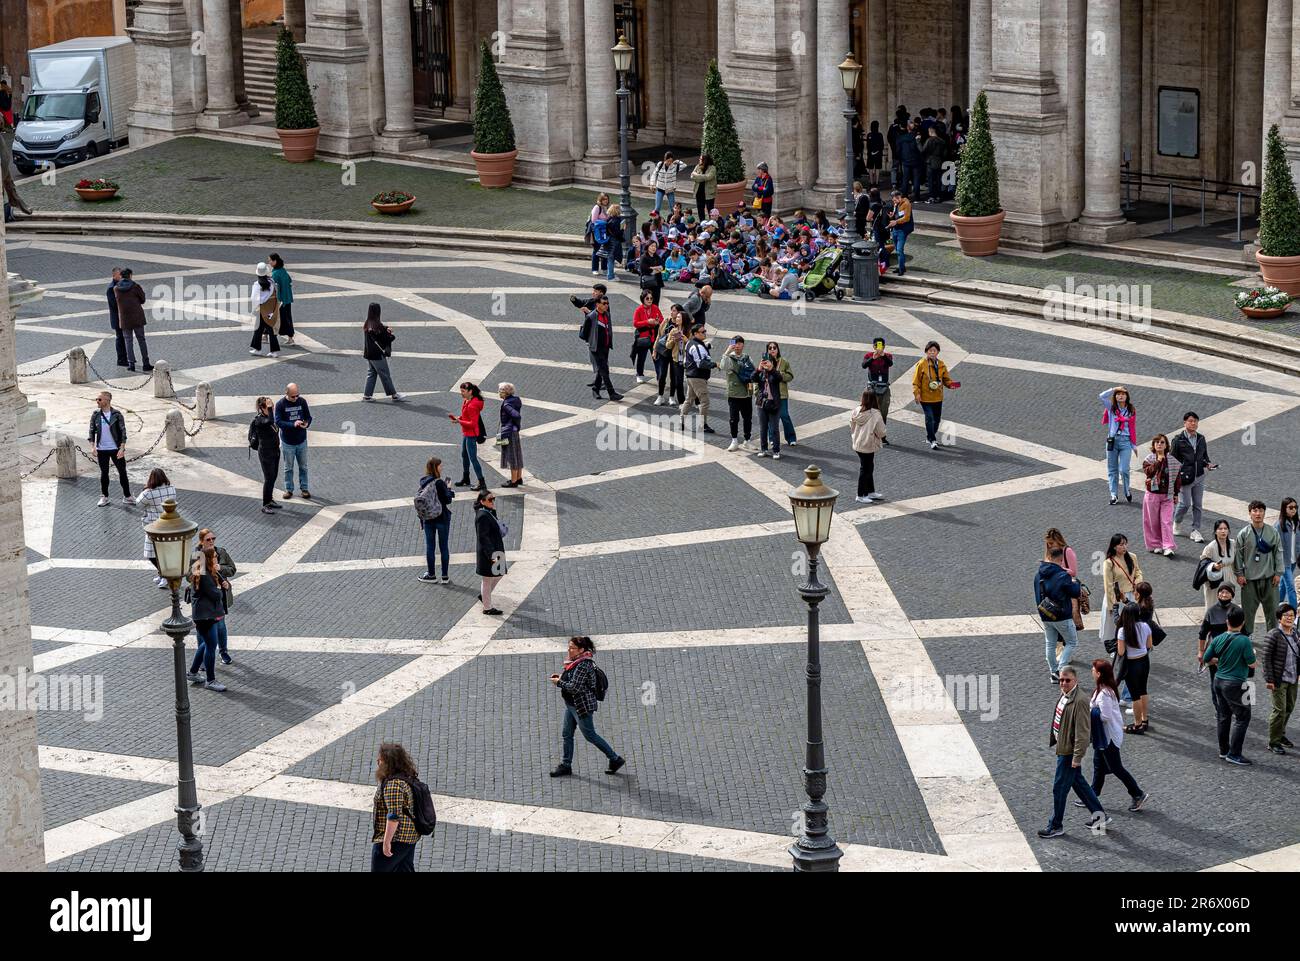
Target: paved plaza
677, 556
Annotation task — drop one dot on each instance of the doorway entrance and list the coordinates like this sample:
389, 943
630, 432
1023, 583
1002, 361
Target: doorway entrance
431, 48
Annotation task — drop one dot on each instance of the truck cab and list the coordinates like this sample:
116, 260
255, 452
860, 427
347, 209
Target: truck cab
63, 126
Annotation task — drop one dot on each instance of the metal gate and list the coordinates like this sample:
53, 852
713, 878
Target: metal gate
431, 52
627, 24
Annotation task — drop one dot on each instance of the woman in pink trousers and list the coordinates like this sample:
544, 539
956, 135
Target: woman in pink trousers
1162, 486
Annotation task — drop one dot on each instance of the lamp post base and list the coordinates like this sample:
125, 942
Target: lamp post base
824, 860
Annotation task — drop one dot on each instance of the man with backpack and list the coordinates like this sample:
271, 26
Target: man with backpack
402, 811
1257, 562
696, 305
1053, 590
582, 685
741, 374
696, 367
1233, 658
1193, 455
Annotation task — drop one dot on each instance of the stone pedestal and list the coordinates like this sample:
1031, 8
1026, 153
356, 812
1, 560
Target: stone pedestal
337, 57
175, 427
205, 402
29, 418
162, 380
399, 133
164, 71
65, 456
535, 74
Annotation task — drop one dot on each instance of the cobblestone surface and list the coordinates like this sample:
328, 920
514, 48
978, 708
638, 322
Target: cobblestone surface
68, 796
62, 597
395, 532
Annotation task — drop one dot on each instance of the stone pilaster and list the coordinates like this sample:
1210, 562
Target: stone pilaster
464, 39
726, 36
399, 89
337, 58
1102, 145
535, 74
1247, 83
194, 11
372, 28
656, 61
877, 67
246, 106
764, 92
981, 45
832, 45
295, 19
602, 82
221, 110
1277, 65
1291, 117
164, 71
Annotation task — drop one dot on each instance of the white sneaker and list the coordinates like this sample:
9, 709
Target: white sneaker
1197, 538
862, 500
659, 401
934, 445
128, 501
640, 379
761, 453
789, 443
399, 397
875, 497
274, 353
103, 502
1178, 531
745, 445
253, 352
776, 457
735, 444
289, 341
1169, 552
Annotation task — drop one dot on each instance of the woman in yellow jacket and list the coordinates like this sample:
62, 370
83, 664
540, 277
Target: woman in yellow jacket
929, 378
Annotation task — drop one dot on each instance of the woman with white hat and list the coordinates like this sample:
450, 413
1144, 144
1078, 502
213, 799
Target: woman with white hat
266, 312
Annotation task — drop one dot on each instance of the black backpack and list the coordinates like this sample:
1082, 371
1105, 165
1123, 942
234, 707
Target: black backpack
602, 683
422, 812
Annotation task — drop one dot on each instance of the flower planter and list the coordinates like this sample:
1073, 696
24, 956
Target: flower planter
728, 196
978, 236
1280, 272
1259, 313
87, 194
398, 208
298, 146
495, 169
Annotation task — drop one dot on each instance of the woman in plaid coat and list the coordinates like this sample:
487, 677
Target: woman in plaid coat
577, 684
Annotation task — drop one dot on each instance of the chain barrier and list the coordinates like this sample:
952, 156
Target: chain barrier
102, 379
44, 461
152, 447
195, 431
58, 363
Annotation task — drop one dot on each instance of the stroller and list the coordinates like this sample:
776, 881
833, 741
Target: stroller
823, 276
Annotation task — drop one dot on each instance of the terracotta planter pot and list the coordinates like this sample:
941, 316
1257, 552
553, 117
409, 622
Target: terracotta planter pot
495, 169
1260, 313
1280, 272
401, 208
978, 236
299, 146
728, 196
87, 194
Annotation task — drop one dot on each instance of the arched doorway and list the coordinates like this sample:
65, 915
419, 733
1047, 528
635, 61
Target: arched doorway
431, 52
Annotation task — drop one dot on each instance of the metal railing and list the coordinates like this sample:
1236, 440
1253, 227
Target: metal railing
1202, 186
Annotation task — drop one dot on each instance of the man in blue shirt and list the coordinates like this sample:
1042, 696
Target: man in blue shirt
293, 417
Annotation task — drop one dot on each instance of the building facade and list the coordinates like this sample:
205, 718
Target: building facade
1176, 90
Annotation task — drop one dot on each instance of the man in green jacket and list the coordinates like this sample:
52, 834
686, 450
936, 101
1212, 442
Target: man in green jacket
740, 403
1070, 733
1258, 566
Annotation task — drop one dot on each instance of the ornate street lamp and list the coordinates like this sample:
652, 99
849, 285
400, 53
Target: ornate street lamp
813, 503
172, 536
850, 70
623, 52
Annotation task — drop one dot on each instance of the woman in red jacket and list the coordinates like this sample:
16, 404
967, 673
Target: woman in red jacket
470, 420
645, 327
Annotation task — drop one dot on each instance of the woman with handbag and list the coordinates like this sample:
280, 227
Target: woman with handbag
1133, 646
598, 215
490, 556
1078, 607
264, 437
646, 321
378, 347
669, 344
1108, 735
1163, 483
208, 608
1120, 575
472, 433
157, 490
615, 238
651, 269
705, 178
1119, 417
225, 568
266, 313
512, 451
868, 432
1220, 553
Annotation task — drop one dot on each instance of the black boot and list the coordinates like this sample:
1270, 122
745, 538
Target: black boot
481, 485
463, 482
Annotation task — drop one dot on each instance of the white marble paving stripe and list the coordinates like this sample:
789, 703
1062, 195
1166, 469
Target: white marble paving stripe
38, 513
1281, 859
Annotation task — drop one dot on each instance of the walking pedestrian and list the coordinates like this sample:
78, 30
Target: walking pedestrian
696, 367
763, 189
266, 314
512, 449
1162, 486
1119, 417
669, 349
767, 398
782, 367
208, 607
1071, 731
1257, 562
284, 295
929, 380
663, 178
130, 317
598, 332
1218, 556
740, 371
868, 427
705, 178
433, 509
1133, 645
1232, 657
1054, 538
265, 439
472, 433
108, 434
900, 226
581, 685
1055, 590
1281, 652
599, 215
226, 569
293, 418
1288, 529
646, 322
394, 836
378, 347
1108, 735
1120, 575
490, 558
112, 317
157, 489
877, 365
1193, 455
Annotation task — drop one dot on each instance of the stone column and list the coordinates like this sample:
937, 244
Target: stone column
399, 134
246, 107
764, 91
1247, 85
726, 35
194, 10
1101, 137
535, 72
805, 67
1131, 85
22, 828
164, 71
337, 56
877, 66
221, 110
295, 19
655, 129
370, 14
464, 58
1291, 118
1277, 65
602, 82
832, 45
981, 45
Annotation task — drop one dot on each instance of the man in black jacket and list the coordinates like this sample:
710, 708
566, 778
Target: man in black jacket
598, 332
108, 435
112, 316
1190, 450
1054, 588
697, 364
909, 155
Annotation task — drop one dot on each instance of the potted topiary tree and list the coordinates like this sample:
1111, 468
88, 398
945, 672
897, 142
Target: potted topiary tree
1279, 220
295, 114
978, 214
494, 150
721, 142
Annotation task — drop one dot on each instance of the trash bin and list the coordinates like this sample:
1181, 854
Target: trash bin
866, 271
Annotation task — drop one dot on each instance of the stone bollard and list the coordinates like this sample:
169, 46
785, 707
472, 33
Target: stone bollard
162, 380
78, 369
175, 430
65, 455
205, 402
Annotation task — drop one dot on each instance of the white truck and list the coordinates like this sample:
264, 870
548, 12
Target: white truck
82, 90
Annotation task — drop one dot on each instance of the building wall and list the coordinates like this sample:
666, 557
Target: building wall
691, 43
25, 24
258, 13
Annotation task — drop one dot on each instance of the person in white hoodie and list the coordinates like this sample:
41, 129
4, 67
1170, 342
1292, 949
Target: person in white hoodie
868, 434
266, 313
1108, 735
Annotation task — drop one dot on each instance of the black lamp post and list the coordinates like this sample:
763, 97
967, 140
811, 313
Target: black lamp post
813, 504
623, 52
850, 70
172, 535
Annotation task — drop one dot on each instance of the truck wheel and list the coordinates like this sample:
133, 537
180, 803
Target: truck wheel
839, 293
92, 150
